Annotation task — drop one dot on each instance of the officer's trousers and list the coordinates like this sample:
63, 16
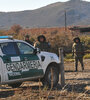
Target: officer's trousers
80, 59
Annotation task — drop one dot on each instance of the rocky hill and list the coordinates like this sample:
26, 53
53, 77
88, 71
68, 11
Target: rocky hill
53, 15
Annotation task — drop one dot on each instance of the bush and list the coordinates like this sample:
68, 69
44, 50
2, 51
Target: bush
16, 28
86, 41
87, 56
56, 36
61, 40
68, 56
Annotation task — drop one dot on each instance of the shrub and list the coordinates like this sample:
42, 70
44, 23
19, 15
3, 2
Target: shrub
56, 36
16, 28
86, 40
69, 56
87, 56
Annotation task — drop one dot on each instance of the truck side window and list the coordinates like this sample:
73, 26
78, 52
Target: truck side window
24, 48
8, 48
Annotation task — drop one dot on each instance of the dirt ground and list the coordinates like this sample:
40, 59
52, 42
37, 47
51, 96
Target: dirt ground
76, 87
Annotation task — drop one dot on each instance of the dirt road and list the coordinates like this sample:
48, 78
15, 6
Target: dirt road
75, 88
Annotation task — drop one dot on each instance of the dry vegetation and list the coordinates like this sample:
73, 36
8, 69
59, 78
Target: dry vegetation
56, 36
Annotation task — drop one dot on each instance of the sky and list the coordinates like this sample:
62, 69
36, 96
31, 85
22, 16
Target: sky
20, 5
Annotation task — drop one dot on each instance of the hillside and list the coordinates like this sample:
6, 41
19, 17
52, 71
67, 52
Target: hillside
49, 16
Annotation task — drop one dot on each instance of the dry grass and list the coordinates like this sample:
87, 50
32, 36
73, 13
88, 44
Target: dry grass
87, 88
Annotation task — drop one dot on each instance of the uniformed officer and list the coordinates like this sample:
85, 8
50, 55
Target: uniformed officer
28, 40
78, 52
42, 44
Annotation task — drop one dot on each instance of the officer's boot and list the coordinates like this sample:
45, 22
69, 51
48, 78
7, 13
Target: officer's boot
76, 66
76, 69
82, 67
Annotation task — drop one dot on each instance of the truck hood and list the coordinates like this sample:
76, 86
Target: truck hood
51, 55
48, 53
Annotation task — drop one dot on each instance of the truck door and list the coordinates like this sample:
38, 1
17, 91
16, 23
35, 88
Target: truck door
30, 62
10, 60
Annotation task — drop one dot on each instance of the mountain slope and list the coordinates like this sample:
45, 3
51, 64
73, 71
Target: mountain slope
49, 16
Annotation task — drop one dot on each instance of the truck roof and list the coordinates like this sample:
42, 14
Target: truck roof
5, 39
10, 40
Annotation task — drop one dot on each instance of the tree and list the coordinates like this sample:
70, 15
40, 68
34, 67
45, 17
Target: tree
16, 28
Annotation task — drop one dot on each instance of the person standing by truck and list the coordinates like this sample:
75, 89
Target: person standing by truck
78, 52
42, 44
27, 39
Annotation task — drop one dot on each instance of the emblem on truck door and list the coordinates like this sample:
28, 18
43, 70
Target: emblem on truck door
15, 59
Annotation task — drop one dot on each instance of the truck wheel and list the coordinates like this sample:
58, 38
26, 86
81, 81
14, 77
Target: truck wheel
48, 76
15, 85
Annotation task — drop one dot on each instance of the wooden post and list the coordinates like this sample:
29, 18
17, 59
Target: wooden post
51, 78
65, 21
62, 66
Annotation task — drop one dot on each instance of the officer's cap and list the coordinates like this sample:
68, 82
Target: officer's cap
77, 38
27, 36
41, 36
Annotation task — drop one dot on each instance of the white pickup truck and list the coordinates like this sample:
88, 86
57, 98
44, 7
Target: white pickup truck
20, 61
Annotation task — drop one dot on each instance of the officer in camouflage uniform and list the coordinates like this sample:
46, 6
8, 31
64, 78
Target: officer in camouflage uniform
42, 44
28, 40
78, 52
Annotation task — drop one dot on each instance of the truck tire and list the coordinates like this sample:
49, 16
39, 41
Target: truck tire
46, 81
15, 85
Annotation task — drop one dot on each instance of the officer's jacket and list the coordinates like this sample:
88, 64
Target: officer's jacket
43, 46
78, 49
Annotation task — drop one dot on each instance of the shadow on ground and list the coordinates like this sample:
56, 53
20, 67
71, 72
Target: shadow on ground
4, 94
77, 88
